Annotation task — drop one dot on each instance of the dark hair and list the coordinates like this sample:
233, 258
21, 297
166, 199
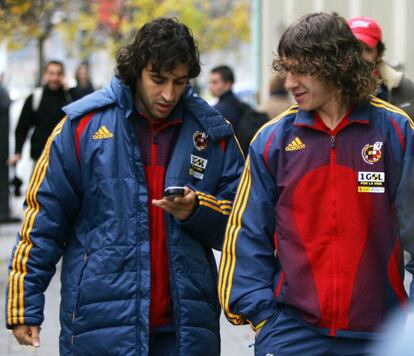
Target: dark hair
380, 49
277, 85
54, 62
225, 72
163, 43
324, 46
77, 70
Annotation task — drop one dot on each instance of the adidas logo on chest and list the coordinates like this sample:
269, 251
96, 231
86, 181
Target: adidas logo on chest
295, 145
102, 133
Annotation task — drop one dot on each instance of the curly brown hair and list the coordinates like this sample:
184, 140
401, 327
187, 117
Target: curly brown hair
163, 43
322, 45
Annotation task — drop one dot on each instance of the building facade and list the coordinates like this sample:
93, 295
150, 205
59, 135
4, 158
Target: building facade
273, 17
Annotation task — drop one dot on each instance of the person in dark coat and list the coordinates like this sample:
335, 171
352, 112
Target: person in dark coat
4, 153
84, 84
41, 112
220, 84
244, 118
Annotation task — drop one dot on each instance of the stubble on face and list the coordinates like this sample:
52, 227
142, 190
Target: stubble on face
53, 76
157, 94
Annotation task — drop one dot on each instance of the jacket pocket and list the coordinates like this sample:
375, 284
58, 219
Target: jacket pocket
267, 327
76, 307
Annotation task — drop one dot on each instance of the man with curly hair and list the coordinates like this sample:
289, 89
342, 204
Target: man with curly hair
138, 274
312, 257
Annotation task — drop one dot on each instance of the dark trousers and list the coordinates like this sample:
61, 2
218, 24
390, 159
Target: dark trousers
163, 344
4, 168
284, 335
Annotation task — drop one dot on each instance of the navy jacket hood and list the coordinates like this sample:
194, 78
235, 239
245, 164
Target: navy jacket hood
119, 93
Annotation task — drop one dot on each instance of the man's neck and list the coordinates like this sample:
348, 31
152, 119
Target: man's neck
53, 89
332, 114
226, 93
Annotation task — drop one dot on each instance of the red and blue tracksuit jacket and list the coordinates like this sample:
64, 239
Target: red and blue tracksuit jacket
88, 203
320, 220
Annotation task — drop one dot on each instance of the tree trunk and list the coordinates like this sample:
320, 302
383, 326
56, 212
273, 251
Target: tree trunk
40, 60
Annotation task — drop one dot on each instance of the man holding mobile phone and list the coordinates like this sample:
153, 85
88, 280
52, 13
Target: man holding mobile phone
138, 272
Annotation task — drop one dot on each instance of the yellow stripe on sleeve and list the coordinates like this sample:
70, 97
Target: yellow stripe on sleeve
389, 107
260, 325
15, 308
22, 245
213, 207
228, 261
210, 201
212, 198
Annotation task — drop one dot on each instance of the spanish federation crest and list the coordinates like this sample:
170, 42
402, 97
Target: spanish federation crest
200, 140
372, 153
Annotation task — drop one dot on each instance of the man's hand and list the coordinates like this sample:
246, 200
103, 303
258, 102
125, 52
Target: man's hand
27, 335
180, 207
14, 159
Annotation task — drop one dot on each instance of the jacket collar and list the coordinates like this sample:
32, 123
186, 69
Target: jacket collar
389, 76
115, 92
119, 93
226, 95
360, 114
212, 122
175, 117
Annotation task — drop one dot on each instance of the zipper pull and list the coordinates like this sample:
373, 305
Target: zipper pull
332, 141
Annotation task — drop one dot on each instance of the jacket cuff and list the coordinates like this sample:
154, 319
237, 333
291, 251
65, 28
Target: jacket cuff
260, 325
258, 318
193, 220
27, 321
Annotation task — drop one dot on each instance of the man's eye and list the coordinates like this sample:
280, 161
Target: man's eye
181, 82
158, 80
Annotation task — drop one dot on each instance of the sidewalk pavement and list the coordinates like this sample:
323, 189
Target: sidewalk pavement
50, 329
235, 340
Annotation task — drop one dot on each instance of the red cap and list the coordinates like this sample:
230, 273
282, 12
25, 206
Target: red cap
366, 30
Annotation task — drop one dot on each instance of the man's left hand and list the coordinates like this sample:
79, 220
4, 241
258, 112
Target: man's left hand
180, 207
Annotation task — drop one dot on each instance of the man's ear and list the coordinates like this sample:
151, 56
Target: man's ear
228, 86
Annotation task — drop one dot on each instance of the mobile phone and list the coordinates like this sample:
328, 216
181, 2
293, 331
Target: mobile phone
171, 192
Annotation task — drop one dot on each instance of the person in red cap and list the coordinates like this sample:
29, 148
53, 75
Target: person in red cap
393, 86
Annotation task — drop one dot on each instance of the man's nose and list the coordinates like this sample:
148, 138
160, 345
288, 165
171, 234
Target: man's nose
168, 92
291, 81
